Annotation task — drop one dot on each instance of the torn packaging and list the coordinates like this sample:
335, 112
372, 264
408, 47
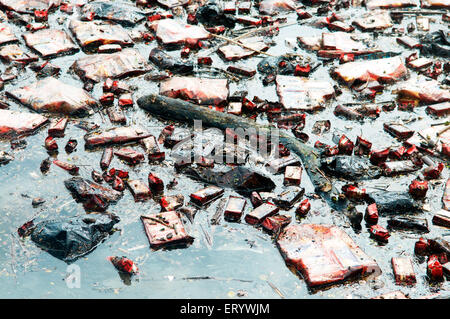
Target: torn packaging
439, 246
116, 65
435, 4
45, 69
421, 247
50, 42
409, 42
233, 52
298, 93
303, 209
420, 63
348, 112
340, 26
399, 167
29, 6
212, 13
434, 134
423, 23
241, 179
52, 95
69, 239
139, 190
398, 130
446, 196
166, 62
275, 223
13, 53
442, 218
434, 268
170, 203
310, 42
256, 199
409, 223
403, 270
156, 184
124, 265
118, 135
117, 11
172, 3
6, 34
351, 167
96, 33
440, 109
381, 70
187, 112
106, 158
5, 158
206, 195
87, 191
234, 208
260, 213
241, 70
371, 215
166, 230
324, 254
418, 189
126, 100
387, 4
392, 295
70, 168
14, 123
393, 202
292, 175
71, 145
199, 90
274, 6
116, 115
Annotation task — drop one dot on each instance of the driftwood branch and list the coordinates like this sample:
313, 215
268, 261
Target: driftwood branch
180, 110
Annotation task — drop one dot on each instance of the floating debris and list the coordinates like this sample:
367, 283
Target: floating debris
50, 43
71, 238
309, 247
52, 95
100, 67
14, 123
95, 33
166, 230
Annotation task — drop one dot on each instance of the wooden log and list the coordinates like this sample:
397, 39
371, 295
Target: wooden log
179, 110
